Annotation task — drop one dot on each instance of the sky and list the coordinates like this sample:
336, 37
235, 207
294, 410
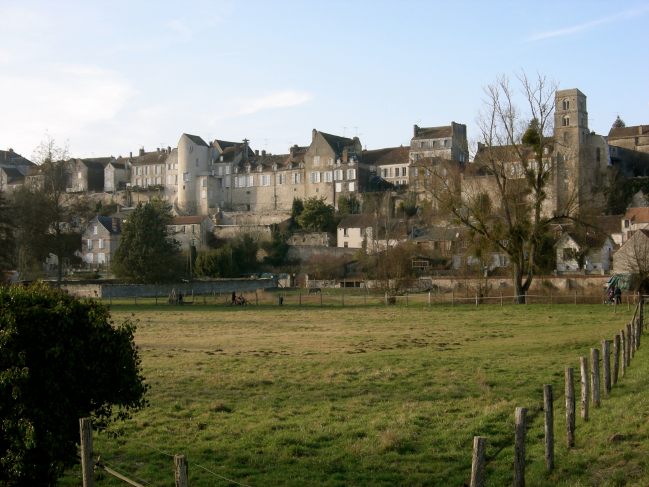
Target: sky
108, 78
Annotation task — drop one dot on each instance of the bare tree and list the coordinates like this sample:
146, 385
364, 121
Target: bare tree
503, 198
633, 257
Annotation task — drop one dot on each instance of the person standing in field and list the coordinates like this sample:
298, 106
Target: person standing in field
234, 297
618, 295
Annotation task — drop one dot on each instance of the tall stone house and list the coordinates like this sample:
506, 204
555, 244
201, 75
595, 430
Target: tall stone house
88, 174
13, 168
100, 240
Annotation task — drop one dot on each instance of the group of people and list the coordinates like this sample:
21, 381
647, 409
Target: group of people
237, 300
614, 295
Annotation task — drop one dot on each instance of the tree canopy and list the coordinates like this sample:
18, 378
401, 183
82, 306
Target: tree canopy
62, 359
317, 214
147, 251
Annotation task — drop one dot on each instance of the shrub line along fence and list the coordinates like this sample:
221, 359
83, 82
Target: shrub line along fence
625, 344
355, 299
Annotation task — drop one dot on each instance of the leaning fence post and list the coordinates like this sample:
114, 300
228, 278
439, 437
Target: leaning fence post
548, 408
615, 305
476, 300
570, 408
606, 366
629, 341
87, 463
616, 357
623, 347
519, 447
180, 465
477, 465
429, 299
594, 376
583, 361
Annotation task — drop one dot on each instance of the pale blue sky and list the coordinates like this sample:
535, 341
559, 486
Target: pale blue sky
113, 76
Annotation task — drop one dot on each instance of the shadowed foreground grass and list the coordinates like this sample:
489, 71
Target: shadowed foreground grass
371, 396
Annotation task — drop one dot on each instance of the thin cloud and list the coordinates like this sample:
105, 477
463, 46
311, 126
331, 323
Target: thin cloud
588, 25
282, 99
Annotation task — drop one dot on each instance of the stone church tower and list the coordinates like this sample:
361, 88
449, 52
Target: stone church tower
581, 156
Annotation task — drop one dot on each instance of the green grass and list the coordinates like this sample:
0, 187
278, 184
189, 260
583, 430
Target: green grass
370, 395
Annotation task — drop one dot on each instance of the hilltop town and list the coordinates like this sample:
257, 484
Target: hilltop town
218, 189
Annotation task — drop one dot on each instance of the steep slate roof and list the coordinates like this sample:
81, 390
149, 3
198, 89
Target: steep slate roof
91, 164
107, 223
224, 144
433, 132
12, 173
118, 165
634, 131
506, 153
101, 160
336, 142
593, 241
637, 215
147, 158
189, 220
357, 221
371, 156
196, 139
438, 234
12, 158
400, 155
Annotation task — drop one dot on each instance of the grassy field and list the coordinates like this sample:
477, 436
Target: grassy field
373, 395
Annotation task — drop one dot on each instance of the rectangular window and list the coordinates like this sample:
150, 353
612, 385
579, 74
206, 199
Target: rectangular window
385, 173
138, 182
295, 177
362, 232
101, 243
227, 169
328, 176
338, 175
351, 173
227, 181
404, 171
339, 187
396, 172
219, 171
148, 181
316, 161
281, 179
146, 170
94, 230
264, 180
331, 161
415, 171
157, 169
345, 232
89, 258
314, 177
204, 183
89, 243
170, 178
416, 184
352, 186
203, 194
187, 176
158, 180
236, 181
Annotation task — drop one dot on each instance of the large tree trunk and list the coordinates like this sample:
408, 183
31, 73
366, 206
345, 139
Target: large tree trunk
518, 284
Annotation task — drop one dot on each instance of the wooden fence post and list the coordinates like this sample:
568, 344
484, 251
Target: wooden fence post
477, 465
616, 357
429, 299
606, 366
614, 305
204, 299
550, 298
87, 463
501, 299
628, 344
135, 297
476, 300
452, 298
300, 299
548, 408
519, 447
623, 347
256, 298
406, 299
386, 298
156, 298
365, 299
583, 361
192, 296
342, 297
525, 298
321, 298
575, 297
594, 376
180, 466
570, 408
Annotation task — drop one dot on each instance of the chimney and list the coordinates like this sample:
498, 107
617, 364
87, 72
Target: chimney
168, 149
131, 155
142, 151
313, 134
158, 150
416, 129
119, 207
639, 131
344, 155
114, 222
257, 152
263, 153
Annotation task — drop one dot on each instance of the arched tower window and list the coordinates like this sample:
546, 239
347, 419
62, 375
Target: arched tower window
566, 121
598, 155
566, 104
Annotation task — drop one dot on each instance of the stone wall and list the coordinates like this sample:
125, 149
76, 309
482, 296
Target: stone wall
83, 290
304, 252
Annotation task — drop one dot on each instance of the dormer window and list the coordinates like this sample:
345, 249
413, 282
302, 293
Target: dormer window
290, 165
352, 160
236, 169
247, 168
274, 167
259, 168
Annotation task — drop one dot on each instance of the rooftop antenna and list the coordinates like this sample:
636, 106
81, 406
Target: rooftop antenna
418, 121
356, 135
344, 130
266, 140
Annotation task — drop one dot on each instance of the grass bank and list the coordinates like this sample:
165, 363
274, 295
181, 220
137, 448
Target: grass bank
370, 395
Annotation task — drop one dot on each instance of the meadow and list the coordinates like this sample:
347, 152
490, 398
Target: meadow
370, 395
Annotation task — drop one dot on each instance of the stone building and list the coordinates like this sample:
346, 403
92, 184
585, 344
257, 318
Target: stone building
192, 231
100, 240
88, 174
116, 176
13, 168
634, 138
590, 253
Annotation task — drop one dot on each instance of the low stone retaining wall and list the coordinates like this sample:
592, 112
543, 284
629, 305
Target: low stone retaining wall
83, 290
